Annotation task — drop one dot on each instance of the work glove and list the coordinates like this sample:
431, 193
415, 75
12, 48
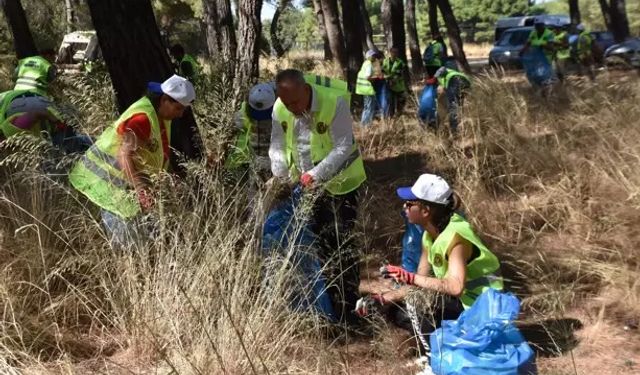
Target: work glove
145, 199
366, 305
399, 274
306, 180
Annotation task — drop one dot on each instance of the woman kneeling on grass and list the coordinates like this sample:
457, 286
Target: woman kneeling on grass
463, 266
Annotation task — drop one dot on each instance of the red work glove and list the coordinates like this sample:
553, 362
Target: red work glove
145, 199
431, 81
365, 305
306, 180
399, 274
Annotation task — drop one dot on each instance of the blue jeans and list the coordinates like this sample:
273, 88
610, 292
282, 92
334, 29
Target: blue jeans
124, 233
369, 109
455, 94
383, 97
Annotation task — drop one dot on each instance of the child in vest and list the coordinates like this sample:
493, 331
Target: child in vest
462, 264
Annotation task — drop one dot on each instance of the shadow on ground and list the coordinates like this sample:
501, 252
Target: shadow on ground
552, 337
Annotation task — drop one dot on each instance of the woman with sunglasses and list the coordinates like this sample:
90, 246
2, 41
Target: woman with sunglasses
462, 264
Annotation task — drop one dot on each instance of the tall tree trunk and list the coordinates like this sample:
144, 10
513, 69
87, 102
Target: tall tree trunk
619, 20
248, 52
19, 27
433, 16
317, 7
574, 11
133, 51
273, 30
70, 15
334, 32
417, 67
393, 24
604, 7
353, 34
214, 42
228, 44
453, 31
366, 22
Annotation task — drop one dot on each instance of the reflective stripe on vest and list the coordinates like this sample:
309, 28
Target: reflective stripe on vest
444, 81
99, 175
33, 74
482, 272
363, 85
332, 83
351, 173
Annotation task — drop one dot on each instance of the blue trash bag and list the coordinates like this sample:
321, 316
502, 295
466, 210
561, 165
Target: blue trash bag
427, 111
282, 228
537, 67
483, 340
411, 245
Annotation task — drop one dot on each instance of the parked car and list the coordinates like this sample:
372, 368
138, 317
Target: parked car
506, 23
626, 53
506, 50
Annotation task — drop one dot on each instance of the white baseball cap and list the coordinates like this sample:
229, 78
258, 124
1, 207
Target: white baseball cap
580, 27
440, 72
370, 53
176, 87
261, 99
428, 187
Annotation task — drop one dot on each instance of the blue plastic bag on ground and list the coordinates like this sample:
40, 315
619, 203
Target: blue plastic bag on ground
411, 245
283, 227
537, 67
427, 110
483, 340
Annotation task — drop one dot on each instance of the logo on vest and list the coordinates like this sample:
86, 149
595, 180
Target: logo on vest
284, 126
437, 260
321, 127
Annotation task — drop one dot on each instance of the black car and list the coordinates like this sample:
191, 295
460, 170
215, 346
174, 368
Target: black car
625, 53
505, 51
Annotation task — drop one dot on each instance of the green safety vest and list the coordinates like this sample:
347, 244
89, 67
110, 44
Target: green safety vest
351, 174
99, 176
363, 85
241, 154
437, 48
195, 67
337, 84
584, 44
536, 40
562, 53
33, 74
394, 70
483, 272
444, 81
8, 129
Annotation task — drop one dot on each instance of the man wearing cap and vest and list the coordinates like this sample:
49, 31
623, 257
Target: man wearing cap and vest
188, 66
371, 85
115, 173
455, 84
393, 68
312, 144
435, 54
584, 51
34, 74
562, 54
462, 264
540, 37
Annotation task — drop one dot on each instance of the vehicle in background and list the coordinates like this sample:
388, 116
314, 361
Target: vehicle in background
625, 54
79, 52
506, 23
506, 51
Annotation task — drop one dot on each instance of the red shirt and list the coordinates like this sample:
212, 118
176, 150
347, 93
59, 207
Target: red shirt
141, 126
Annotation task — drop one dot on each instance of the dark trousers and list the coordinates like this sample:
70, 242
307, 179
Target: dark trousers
455, 94
334, 219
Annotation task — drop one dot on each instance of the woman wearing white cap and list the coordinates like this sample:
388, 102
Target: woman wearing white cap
116, 171
463, 265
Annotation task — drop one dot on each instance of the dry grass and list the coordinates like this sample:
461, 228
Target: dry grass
551, 184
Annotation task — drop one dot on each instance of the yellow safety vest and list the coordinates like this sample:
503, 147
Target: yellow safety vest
99, 175
351, 174
394, 72
241, 154
8, 129
33, 74
444, 81
483, 272
195, 67
363, 85
562, 53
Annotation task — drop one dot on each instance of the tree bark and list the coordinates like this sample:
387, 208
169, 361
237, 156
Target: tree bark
228, 44
273, 29
453, 31
70, 15
134, 54
433, 16
334, 32
248, 52
393, 24
417, 67
368, 29
353, 33
604, 7
214, 43
317, 7
574, 11
619, 20
19, 27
